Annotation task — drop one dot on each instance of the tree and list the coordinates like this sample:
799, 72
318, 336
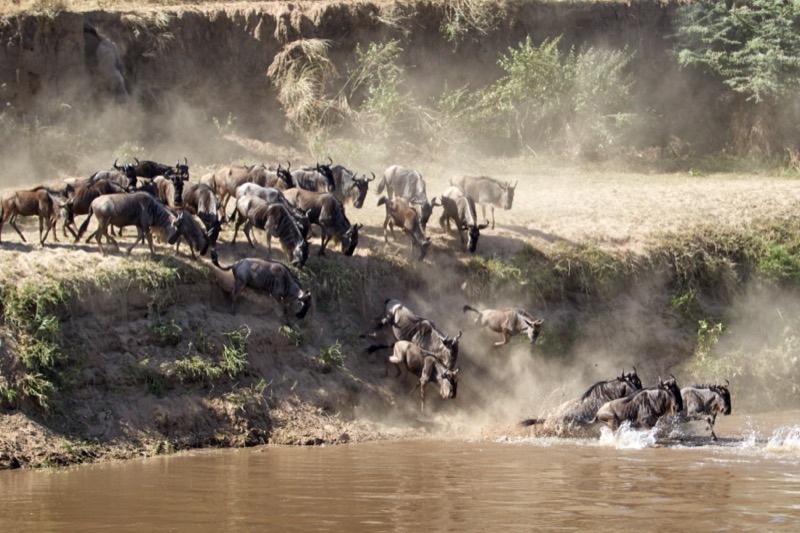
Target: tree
754, 45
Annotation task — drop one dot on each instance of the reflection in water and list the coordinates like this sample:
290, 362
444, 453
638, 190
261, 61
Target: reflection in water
614, 484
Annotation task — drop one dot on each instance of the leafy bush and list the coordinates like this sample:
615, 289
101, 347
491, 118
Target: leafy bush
234, 351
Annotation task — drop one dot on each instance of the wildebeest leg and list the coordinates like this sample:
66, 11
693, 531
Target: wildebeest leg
13, 223
324, 242
239, 221
506, 337
247, 227
395, 360
99, 233
711, 420
483, 211
238, 287
139, 237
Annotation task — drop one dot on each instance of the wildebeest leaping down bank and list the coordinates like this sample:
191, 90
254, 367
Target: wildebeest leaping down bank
580, 412
271, 276
507, 322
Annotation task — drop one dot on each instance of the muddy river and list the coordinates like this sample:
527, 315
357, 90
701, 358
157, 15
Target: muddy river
629, 481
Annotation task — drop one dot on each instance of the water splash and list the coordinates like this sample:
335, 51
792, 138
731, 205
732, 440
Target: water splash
784, 440
628, 438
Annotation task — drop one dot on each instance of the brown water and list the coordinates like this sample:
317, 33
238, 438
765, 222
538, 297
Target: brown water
631, 481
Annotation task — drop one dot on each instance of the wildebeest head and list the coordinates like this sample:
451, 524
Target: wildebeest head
326, 171
671, 387
448, 385
426, 210
451, 343
362, 184
474, 232
177, 185
182, 170
177, 222
302, 304
350, 239
130, 173
300, 253
535, 330
723, 391
631, 378
507, 196
285, 174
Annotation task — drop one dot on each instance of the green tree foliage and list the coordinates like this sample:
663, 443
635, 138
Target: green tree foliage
754, 46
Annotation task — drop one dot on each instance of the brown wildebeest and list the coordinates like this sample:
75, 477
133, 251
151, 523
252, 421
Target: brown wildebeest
581, 411
407, 183
138, 209
27, 203
706, 402
81, 199
460, 208
201, 200
228, 179
643, 408
486, 191
186, 227
270, 276
508, 321
423, 364
324, 210
400, 212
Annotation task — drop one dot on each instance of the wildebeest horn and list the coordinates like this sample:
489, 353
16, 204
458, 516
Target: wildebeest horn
185, 161
115, 163
137, 161
373, 176
515, 184
331, 160
289, 165
727, 382
634, 370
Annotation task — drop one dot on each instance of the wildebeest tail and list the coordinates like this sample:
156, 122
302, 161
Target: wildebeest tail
468, 308
215, 261
382, 200
85, 224
375, 347
528, 422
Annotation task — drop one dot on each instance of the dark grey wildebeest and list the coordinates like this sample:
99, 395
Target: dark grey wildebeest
705, 402
273, 195
80, 200
324, 210
138, 209
275, 220
270, 276
460, 208
189, 229
402, 182
581, 411
318, 179
423, 364
400, 212
508, 321
200, 199
39, 202
486, 191
349, 187
643, 408
407, 326
104, 62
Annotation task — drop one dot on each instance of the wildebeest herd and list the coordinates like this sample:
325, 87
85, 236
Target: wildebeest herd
158, 199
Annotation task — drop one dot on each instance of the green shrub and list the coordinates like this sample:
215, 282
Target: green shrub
234, 352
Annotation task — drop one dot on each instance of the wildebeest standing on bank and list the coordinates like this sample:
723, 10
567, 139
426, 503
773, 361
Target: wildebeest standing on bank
27, 203
407, 183
400, 212
201, 200
104, 62
486, 191
460, 208
581, 411
508, 321
350, 187
138, 209
706, 402
186, 227
271, 276
643, 408
324, 210
423, 364
81, 199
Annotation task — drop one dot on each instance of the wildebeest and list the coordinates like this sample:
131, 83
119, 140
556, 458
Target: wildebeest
271, 276
407, 326
103, 61
460, 208
169, 191
324, 210
274, 196
122, 176
400, 212
27, 203
274, 219
186, 227
81, 199
201, 200
317, 179
138, 209
350, 187
407, 183
486, 191
643, 408
508, 321
706, 402
423, 364
581, 411
151, 169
